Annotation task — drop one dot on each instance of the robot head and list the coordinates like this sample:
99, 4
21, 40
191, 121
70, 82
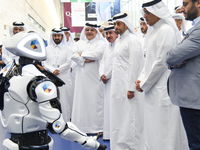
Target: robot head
27, 44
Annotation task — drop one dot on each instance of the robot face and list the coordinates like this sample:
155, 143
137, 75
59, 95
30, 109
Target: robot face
29, 45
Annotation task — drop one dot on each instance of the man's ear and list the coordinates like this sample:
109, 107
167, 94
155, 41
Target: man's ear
198, 3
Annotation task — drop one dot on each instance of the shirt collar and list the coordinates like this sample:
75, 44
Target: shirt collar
124, 34
195, 21
113, 43
158, 23
57, 45
91, 41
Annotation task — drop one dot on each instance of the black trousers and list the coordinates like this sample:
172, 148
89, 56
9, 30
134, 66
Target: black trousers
191, 122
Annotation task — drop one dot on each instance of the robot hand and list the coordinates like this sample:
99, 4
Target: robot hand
90, 141
72, 133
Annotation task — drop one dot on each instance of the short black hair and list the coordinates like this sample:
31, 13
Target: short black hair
0, 46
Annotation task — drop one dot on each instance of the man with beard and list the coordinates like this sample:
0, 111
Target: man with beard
59, 62
143, 25
184, 83
87, 112
145, 30
126, 111
163, 126
105, 71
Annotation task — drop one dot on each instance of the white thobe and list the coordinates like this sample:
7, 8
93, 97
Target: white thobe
73, 66
126, 115
87, 111
163, 126
181, 36
106, 69
59, 57
70, 44
142, 39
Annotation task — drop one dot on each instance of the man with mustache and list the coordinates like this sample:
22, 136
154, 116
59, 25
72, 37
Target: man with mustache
126, 111
105, 72
145, 30
184, 83
87, 112
59, 63
143, 26
162, 118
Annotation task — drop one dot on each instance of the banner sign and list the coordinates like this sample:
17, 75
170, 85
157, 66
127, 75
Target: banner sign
68, 19
77, 14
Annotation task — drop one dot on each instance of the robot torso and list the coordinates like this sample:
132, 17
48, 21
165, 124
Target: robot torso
21, 114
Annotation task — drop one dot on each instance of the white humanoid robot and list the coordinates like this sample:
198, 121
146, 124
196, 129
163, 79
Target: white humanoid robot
29, 102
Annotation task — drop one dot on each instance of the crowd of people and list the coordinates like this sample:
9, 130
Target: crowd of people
138, 89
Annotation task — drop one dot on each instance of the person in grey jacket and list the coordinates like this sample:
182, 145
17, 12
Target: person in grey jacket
184, 80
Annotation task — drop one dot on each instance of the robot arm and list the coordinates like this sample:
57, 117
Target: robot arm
45, 93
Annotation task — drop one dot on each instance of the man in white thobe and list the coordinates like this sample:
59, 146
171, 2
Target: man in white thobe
58, 62
70, 42
6, 55
105, 71
126, 110
145, 30
87, 111
163, 126
181, 24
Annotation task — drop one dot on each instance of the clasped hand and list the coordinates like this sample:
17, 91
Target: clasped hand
138, 86
104, 79
86, 60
